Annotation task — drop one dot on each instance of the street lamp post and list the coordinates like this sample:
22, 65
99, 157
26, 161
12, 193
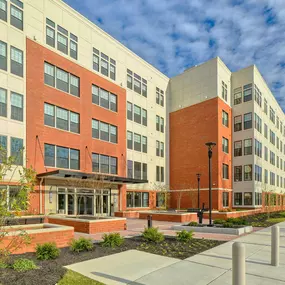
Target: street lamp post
198, 178
210, 146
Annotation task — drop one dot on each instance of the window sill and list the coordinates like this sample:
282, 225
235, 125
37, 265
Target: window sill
78, 134
104, 141
115, 112
78, 97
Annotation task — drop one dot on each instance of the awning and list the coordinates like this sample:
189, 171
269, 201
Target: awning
66, 174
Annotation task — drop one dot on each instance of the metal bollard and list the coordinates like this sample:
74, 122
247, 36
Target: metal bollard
149, 221
238, 264
275, 242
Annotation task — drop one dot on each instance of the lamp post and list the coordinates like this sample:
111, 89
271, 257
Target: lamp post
210, 146
198, 179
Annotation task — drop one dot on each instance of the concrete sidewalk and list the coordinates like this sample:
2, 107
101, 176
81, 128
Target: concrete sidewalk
210, 267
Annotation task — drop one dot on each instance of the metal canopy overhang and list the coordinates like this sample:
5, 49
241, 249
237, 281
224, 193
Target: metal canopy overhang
65, 174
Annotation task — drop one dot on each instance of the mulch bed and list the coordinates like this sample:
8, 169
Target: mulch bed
51, 271
260, 220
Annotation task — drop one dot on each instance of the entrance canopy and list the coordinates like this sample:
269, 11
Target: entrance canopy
66, 174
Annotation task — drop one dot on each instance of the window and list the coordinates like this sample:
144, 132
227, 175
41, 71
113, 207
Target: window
272, 178
162, 149
49, 119
144, 117
49, 74
162, 99
248, 147
248, 172
112, 69
225, 145
16, 19
95, 162
130, 140
137, 83
159, 97
74, 159
265, 131
129, 111
104, 131
129, 81
62, 80
104, 64
162, 125
277, 122
265, 109
225, 118
3, 55
95, 129
157, 148
247, 199
137, 170
224, 91
137, 142
272, 158
62, 157
17, 107
137, 86
113, 165
137, 199
144, 88
272, 137
144, 144
257, 123
225, 199
113, 134
62, 43
3, 10
3, 102
238, 148
237, 96
49, 155
265, 153
237, 173
144, 171
17, 66
73, 46
159, 174
258, 148
106, 100
162, 174
272, 115
17, 151
237, 199
74, 122
3, 148
50, 34
237, 123
104, 163
265, 176
258, 173
157, 123
74, 85
247, 121
62, 119
257, 96
225, 171
130, 169
247, 92
137, 114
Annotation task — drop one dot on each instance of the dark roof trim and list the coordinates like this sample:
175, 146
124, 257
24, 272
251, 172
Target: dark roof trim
82, 175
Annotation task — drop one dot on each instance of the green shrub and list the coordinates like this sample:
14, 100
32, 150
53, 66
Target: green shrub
228, 225
237, 221
81, 244
193, 224
112, 240
47, 251
219, 222
152, 235
3, 265
184, 236
23, 264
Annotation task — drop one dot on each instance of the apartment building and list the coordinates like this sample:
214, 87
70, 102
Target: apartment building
89, 113
105, 130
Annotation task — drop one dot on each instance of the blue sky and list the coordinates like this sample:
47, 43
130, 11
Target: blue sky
175, 34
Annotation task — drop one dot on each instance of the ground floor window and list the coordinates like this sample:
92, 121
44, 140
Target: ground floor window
258, 198
12, 197
247, 199
137, 199
237, 199
225, 199
160, 199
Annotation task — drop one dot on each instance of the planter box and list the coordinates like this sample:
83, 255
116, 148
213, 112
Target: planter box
127, 214
91, 226
177, 217
235, 214
39, 234
214, 230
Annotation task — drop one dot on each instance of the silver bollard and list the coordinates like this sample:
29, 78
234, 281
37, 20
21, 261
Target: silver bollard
238, 264
275, 242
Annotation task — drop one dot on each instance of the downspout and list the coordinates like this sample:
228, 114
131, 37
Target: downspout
41, 198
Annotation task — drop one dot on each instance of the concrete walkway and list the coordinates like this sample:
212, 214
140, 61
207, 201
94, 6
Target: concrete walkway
210, 267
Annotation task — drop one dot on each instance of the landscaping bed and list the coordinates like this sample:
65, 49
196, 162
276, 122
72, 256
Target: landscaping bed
51, 271
264, 220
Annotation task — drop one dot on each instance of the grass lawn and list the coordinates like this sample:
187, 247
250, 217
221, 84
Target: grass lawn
276, 220
74, 278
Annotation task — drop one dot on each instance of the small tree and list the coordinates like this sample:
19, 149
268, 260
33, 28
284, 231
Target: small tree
270, 199
13, 203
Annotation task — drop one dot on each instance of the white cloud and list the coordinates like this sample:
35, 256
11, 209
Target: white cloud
173, 35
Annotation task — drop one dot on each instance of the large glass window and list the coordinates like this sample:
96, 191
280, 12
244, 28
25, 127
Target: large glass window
49, 115
62, 119
247, 121
16, 19
62, 157
237, 123
238, 148
17, 151
17, 66
3, 55
237, 173
3, 10
137, 199
49, 155
3, 102
237, 199
17, 107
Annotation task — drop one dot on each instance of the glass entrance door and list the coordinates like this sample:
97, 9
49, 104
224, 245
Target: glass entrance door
85, 205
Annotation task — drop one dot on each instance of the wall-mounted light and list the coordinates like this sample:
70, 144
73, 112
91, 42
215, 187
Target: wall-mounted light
50, 196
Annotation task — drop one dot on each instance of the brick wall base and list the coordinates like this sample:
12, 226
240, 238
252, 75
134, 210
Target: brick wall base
169, 217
